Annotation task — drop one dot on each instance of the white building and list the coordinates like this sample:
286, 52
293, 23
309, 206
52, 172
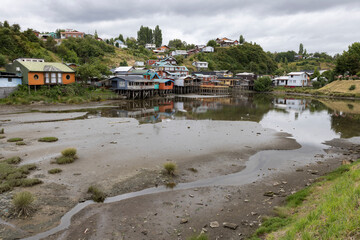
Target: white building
281, 81
120, 43
139, 64
179, 52
150, 46
200, 64
207, 49
298, 79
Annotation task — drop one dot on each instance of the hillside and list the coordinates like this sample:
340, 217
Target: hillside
341, 87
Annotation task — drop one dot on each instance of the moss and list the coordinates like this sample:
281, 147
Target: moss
20, 143
54, 171
48, 139
15, 139
65, 160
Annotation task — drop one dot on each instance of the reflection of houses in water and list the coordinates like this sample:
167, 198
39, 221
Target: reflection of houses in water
291, 105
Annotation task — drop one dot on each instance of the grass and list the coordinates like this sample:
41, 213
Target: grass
170, 167
67, 156
2, 136
12, 175
15, 139
23, 204
48, 139
328, 209
21, 143
2, 131
352, 87
96, 194
55, 170
199, 237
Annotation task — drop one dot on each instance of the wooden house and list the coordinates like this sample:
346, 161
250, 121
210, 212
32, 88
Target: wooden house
133, 86
8, 83
42, 73
71, 33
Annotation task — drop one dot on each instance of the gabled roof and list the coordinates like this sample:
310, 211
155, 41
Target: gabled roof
46, 67
123, 69
297, 73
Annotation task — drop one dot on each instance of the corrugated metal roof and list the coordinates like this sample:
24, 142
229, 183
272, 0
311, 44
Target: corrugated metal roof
46, 67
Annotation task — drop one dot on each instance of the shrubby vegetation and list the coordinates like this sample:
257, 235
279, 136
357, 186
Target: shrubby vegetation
262, 84
349, 62
23, 204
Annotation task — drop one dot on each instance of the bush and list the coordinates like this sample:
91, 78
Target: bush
97, 194
2, 131
54, 171
15, 140
23, 203
2, 137
262, 84
352, 87
13, 160
65, 160
170, 167
48, 139
20, 143
69, 152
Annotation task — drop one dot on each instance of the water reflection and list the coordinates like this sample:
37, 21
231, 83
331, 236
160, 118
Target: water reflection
308, 120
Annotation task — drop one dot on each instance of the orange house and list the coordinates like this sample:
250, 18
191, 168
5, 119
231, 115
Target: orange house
42, 73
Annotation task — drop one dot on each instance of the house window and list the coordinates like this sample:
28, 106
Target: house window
36, 77
9, 80
68, 77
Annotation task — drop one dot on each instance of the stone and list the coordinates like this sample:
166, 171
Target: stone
214, 224
144, 232
269, 194
184, 220
232, 226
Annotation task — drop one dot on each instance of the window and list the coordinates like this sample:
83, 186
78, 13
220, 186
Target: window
68, 77
36, 77
9, 80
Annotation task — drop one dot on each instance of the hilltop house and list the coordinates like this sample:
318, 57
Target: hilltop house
150, 46
179, 52
161, 49
207, 49
200, 65
226, 42
120, 44
71, 33
38, 72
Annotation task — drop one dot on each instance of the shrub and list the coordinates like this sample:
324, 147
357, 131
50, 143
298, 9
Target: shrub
13, 160
15, 139
28, 182
170, 167
48, 139
69, 152
20, 143
97, 194
65, 160
54, 171
352, 87
2, 137
23, 203
2, 131
262, 84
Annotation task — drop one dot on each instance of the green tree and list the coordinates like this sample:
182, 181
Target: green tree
50, 44
16, 28
241, 39
145, 35
131, 43
58, 32
121, 38
212, 43
262, 84
2, 60
6, 24
179, 59
96, 35
301, 49
157, 36
123, 63
176, 43
316, 73
349, 61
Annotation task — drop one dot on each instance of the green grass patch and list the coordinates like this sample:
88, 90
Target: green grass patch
48, 139
2, 136
12, 176
199, 237
55, 171
21, 143
2, 131
97, 195
170, 167
65, 160
15, 139
23, 204
67, 156
331, 209
69, 152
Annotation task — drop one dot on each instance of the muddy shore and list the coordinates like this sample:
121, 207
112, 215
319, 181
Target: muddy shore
122, 156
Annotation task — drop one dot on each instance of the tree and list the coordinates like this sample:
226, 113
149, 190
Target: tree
123, 63
301, 49
96, 35
50, 44
131, 42
2, 60
6, 24
176, 43
349, 61
316, 74
262, 84
117, 44
157, 36
145, 35
179, 59
241, 39
121, 38
212, 43
58, 32
16, 28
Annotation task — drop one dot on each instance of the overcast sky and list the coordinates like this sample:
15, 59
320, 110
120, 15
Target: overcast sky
277, 25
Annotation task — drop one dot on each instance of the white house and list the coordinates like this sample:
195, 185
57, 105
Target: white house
179, 52
139, 64
122, 70
281, 81
298, 79
207, 49
120, 43
200, 64
150, 46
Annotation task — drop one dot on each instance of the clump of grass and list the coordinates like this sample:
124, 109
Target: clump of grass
23, 204
20, 143
297, 198
170, 185
272, 224
13, 160
96, 194
68, 156
199, 237
2, 131
2, 137
48, 139
352, 87
194, 170
69, 152
15, 139
170, 167
54, 171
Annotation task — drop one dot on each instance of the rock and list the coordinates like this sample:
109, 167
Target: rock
232, 226
253, 213
276, 183
269, 194
184, 220
113, 142
214, 224
246, 200
299, 170
345, 162
284, 182
203, 231
190, 195
144, 232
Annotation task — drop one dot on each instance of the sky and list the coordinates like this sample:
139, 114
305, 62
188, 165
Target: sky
277, 25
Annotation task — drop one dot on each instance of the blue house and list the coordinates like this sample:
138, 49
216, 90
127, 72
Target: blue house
8, 83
